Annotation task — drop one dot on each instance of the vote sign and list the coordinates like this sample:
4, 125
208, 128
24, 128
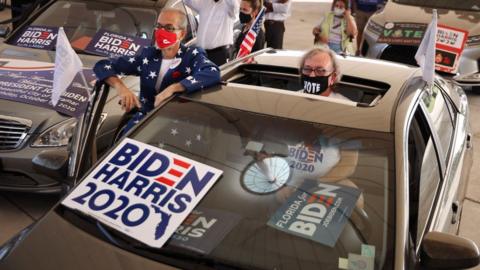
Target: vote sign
143, 191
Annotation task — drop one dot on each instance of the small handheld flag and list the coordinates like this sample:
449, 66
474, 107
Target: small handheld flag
251, 36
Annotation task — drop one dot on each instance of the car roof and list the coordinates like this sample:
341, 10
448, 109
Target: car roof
313, 108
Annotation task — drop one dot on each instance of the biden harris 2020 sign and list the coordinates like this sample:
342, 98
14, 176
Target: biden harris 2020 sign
143, 191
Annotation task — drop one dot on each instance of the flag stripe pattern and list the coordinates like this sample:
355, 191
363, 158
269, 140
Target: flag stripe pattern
251, 36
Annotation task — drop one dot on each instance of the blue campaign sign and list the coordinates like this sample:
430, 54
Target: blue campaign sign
33, 85
317, 212
37, 37
143, 191
111, 44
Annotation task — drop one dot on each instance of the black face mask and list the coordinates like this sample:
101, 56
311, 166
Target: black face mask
245, 18
315, 85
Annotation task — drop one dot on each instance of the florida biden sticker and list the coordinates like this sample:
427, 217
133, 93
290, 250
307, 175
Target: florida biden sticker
318, 213
143, 191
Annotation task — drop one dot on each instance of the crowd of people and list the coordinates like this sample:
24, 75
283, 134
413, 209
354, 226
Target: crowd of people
170, 67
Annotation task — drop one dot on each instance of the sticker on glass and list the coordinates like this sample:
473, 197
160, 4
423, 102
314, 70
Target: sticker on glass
204, 229
143, 191
111, 44
37, 37
318, 213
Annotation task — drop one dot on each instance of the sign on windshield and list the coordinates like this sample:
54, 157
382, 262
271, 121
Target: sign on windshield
111, 44
37, 37
143, 191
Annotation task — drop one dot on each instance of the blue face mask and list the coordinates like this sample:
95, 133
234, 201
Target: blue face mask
315, 85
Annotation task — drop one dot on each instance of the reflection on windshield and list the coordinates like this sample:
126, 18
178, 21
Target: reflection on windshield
82, 20
298, 195
471, 5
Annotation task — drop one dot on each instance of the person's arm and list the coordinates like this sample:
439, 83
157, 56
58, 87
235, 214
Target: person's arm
233, 8
351, 24
108, 70
204, 74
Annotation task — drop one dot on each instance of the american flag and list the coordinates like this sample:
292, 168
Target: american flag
251, 36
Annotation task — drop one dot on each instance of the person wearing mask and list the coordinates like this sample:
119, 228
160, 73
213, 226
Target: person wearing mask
338, 29
319, 73
167, 68
363, 10
249, 10
215, 29
277, 11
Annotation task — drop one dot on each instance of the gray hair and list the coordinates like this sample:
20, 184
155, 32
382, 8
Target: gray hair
317, 50
182, 17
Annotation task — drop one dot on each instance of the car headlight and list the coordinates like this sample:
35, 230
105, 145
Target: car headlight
58, 135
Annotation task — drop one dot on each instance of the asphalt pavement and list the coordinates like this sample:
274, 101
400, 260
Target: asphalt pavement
18, 210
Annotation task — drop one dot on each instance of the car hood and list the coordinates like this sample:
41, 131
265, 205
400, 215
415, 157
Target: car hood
397, 13
57, 244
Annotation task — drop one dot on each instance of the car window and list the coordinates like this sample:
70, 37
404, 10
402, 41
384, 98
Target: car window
258, 221
82, 20
470, 5
424, 175
440, 116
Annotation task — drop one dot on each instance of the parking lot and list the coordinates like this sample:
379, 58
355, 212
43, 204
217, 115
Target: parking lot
18, 210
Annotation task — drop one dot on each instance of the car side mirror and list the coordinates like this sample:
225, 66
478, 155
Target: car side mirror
447, 251
4, 31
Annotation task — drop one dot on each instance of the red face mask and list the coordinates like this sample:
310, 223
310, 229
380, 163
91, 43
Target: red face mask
164, 38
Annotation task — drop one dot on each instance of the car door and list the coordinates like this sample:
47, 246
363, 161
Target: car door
436, 155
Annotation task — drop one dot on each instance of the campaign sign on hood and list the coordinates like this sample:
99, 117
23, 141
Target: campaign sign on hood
143, 191
34, 86
317, 212
110, 44
37, 37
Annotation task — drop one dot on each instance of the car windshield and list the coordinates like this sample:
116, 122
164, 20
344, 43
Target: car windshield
83, 20
293, 194
470, 5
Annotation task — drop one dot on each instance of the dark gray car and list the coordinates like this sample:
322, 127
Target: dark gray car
30, 134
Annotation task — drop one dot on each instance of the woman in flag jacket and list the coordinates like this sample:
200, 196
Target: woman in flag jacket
249, 10
167, 68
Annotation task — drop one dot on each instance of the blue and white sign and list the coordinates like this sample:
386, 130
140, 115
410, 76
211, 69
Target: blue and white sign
37, 37
143, 191
317, 211
111, 44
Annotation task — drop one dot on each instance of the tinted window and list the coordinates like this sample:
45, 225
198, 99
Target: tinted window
471, 5
82, 20
424, 175
440, 117
249, 150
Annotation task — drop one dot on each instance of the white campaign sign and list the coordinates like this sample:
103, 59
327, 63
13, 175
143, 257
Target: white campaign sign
143, 191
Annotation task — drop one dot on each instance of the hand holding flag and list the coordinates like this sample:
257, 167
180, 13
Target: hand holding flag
67, 65
251, 36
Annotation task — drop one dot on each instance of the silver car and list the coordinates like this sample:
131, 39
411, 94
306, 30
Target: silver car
415, 15
392, 164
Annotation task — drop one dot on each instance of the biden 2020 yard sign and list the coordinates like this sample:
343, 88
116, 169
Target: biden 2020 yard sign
143, 191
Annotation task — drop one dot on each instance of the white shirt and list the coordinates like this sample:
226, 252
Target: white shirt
281, 11
161, 73
215, 28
